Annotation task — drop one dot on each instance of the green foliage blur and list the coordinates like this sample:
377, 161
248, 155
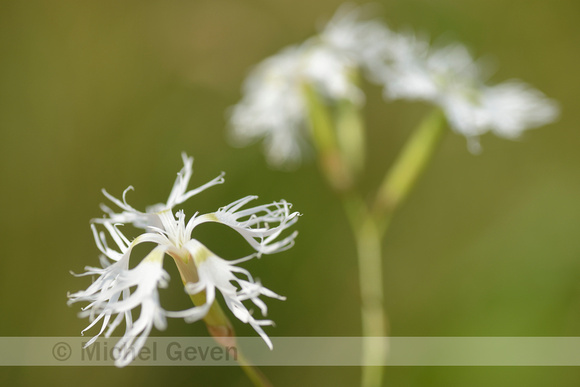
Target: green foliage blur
106, 94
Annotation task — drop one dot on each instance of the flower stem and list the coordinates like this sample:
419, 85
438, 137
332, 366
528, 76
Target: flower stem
373, 317
339, 164
220, 327
412, 161
252, 372
218, 324
324, 137
369, 227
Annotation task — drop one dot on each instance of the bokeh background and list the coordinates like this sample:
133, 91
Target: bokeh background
103, 94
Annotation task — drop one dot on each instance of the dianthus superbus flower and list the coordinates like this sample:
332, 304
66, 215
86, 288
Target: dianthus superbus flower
119, 288
274, 105
451, 79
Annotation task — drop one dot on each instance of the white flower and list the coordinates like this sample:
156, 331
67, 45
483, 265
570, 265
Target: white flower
514, 106
217, 273
178, 195
366, 42
119, 289
274, 107
110, 296
330, 72
450, 78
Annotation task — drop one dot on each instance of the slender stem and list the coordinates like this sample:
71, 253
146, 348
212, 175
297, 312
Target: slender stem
252, 372
412, 161
373, 317
324, 137
339, 164
374, 322
350, 131
218, 324
369, 227
222, 331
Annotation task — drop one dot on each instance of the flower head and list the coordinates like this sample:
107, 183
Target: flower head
119, 289
274, 105
273, 109
407, 66
150, 217
451, 79
365, 41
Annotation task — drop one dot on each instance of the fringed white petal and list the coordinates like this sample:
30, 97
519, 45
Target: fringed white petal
217, 273
118, 289
261, 226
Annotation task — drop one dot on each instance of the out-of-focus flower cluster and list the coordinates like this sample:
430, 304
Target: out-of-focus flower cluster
407, 66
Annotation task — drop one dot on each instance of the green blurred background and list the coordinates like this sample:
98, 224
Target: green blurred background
103, 94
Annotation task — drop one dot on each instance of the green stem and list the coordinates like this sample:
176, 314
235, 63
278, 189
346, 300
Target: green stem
370, 269
252, 372
350, 131
222, 331
369, 226
412, 161
324, 138
339, 162
218, 324
374, 322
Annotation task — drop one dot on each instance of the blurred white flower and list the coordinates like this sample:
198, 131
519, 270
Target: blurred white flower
450, 78
119, 289
273, 106
365, 41
513, 107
